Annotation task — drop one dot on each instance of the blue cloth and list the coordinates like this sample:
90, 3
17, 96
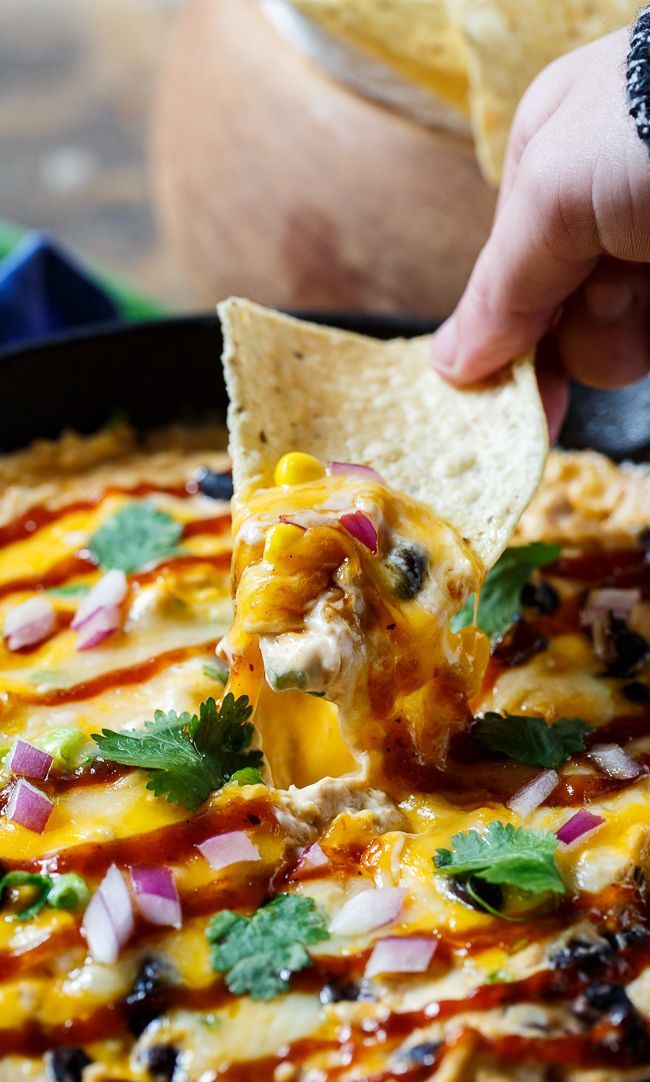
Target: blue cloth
45, 290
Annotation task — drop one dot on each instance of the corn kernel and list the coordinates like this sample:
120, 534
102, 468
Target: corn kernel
279, 539
295, 468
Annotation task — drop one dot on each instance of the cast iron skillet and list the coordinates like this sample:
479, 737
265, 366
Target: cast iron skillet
169, 370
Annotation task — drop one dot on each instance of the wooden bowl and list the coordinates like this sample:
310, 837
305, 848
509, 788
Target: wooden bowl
273, 181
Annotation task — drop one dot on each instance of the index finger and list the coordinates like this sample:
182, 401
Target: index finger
530, 264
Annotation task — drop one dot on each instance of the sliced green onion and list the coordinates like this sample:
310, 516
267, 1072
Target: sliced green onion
64, 745
68, 891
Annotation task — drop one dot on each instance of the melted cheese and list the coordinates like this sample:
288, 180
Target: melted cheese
319, 610
560, 681
373, 837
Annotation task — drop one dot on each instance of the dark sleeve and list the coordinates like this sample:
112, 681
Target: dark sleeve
638, 76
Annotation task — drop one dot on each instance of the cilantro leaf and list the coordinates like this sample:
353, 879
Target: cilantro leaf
530, 740
258, 954
136, 535
504, 854
187, 756
500, 597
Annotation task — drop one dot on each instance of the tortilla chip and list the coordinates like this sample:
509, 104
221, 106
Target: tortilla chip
475, 456
508, 42
414, 37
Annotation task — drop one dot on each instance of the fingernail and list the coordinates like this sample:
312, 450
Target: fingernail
444, 346
608, 301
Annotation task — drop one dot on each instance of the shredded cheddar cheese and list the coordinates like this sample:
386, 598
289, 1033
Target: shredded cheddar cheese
362, 787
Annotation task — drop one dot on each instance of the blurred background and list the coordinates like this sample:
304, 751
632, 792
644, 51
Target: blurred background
194, 149
328, 154
333, 155
77, 81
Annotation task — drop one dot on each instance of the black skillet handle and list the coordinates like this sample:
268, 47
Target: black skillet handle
614, 422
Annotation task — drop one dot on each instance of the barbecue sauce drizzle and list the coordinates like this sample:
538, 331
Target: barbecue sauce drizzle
620, 568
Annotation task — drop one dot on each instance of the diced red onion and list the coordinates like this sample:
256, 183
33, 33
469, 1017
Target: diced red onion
609, 599
98, 627
360, 526
233, 847
156, 895
530, 796
354, 469
401, 954
29, 623
615, 762
108, 921
580, 824
312, 857
29, 761
29, 807
101, 936
109, 592
368, 910
288, 521
115, 893
308, 518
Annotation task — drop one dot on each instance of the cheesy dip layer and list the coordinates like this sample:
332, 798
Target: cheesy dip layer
199, 878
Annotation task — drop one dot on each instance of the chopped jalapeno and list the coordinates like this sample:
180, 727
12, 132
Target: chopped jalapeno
37, 885
65, 891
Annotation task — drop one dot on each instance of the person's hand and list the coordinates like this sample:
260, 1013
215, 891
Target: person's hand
567, 254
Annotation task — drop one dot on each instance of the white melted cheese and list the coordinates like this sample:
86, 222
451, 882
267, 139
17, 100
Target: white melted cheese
326, 656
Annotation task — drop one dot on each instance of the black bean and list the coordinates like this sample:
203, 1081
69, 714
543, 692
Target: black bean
424, 1054
407, 566
489, 893
633, 650
622, 650
161, 1062
521, 642
350, 992
540, 596
67, 1064
587, 956
146, 1000
626, 937
609, 1000
609, 1007
636, 692
218, 486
